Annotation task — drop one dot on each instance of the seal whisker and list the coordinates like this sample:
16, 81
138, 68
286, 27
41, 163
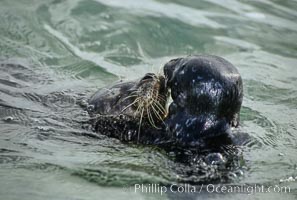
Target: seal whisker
138, 108
136, 100
151, 120
156, 112
160, 107
161, 98
159, 110
160, 118
130, 96
139, 128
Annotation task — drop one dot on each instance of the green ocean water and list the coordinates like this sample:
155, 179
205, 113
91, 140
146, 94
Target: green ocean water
55, 53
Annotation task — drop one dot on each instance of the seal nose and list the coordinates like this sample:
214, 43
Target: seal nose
169, 68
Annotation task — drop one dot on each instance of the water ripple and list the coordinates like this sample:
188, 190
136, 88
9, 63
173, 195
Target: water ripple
55, 54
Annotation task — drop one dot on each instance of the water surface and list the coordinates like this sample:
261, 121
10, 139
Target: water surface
55, 53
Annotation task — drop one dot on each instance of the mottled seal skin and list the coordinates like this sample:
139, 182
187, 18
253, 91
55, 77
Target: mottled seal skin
132, 110
207, 95
120, 97
111, 100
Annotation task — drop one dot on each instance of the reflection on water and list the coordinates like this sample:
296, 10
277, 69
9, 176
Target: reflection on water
55, 54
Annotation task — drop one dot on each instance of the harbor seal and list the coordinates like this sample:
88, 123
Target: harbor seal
126, 109
207, 95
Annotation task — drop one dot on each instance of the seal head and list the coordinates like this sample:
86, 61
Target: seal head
207, 95
130, 108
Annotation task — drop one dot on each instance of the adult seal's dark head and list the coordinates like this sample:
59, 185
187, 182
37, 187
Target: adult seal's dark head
126, 109
207, 95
